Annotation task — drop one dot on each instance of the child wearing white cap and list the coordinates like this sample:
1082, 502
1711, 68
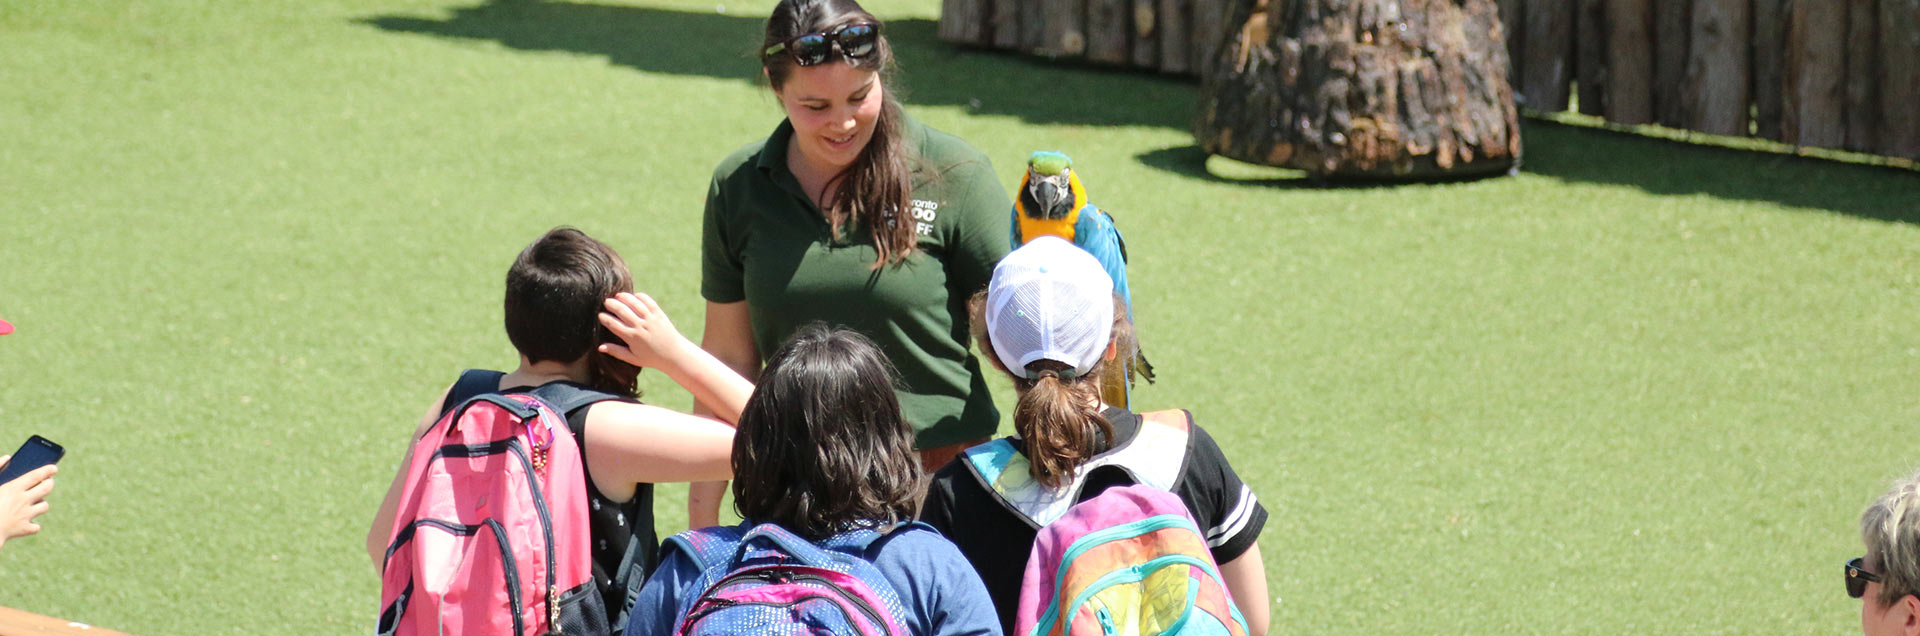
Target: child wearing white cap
1051, 320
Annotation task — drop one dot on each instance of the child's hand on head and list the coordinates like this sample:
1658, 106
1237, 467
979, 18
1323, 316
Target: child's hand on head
651, 340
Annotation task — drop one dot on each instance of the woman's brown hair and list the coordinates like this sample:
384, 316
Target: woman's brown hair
1058, 417
822, 447
876, 191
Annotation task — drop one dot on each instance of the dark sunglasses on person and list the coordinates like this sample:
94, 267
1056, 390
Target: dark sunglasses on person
854, 41
1858, 578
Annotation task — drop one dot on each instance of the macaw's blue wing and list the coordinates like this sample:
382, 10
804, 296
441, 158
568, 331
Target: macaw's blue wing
1096, 233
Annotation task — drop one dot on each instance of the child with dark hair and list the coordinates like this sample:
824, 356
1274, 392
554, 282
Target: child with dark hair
821, 452
1051, 320
580, 331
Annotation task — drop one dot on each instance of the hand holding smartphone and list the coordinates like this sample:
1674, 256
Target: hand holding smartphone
38, 451
21, 502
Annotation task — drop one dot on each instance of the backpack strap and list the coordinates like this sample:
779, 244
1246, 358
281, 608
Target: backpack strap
1177, 419
722, 546
1147, 459
472, 383
567, 397
867, 543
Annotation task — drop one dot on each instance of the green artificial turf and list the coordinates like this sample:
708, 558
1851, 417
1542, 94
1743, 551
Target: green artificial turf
1639, 387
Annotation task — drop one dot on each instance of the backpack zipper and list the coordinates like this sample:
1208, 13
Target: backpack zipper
777, 574
1132, 574
546, 527
512, 571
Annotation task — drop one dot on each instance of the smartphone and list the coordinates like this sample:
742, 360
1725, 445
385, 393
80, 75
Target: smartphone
38, 451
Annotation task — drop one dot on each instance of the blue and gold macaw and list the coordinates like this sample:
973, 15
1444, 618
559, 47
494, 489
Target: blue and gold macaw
1052, 202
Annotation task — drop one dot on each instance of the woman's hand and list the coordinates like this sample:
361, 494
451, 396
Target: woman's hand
651, 340
23, 499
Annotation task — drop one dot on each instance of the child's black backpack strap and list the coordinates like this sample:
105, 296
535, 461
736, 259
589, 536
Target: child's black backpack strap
620, 580
568, 397
472, 382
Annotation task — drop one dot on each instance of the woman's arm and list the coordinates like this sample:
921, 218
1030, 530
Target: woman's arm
379, 534
652, 341
980, 214
729, 337
1246, 578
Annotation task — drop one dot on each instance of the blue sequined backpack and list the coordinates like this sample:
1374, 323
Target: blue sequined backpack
766, 581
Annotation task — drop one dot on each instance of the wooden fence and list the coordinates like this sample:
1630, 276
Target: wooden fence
1172, 36
1841, 74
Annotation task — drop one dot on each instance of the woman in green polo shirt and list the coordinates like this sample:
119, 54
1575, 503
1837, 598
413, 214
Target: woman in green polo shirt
853, 214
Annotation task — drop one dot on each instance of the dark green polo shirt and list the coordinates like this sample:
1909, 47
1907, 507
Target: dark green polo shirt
765, 242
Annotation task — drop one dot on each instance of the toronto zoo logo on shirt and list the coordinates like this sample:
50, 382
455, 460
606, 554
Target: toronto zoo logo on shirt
924, 213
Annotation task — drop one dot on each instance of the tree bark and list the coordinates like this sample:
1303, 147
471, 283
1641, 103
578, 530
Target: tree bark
1409, 89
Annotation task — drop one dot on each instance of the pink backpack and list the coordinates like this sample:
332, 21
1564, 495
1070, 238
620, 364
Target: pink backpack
490, 536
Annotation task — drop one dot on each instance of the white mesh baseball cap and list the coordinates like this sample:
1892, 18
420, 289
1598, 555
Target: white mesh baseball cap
1049, 300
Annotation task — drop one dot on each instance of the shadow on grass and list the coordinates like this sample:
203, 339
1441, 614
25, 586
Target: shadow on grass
718, 45
1655, 165
1192, 162
1670, 167
994, 83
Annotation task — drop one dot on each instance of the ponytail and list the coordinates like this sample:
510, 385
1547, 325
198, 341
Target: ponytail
1059, 419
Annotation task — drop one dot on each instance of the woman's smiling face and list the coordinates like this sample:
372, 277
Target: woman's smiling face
833, 108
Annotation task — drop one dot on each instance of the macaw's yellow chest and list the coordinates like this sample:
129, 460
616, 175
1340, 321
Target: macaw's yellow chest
1032, 228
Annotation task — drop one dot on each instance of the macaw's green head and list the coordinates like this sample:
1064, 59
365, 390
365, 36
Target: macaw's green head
1048, 193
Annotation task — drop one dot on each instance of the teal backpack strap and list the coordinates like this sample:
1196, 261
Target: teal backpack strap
988, 463
1155, 457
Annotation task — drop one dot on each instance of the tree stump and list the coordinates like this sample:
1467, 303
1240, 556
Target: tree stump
1413, 89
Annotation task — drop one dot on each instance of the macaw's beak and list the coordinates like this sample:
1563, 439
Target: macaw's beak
1053, 195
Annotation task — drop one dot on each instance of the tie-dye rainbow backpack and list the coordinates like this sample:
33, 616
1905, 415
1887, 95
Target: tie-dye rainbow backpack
1127, 561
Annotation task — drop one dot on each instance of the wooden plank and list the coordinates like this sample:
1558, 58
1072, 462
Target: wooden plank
1629, 61
1545, 80
1006, 24
961, 21
1815, 99
1863, 74
14, 622
1146, 33
1033, 25
1066, 33
1209, 20
1513, 25
1107, 31
1769, 72
1717, 63
1590, 55
1672, 20
1900, 78
1176, 38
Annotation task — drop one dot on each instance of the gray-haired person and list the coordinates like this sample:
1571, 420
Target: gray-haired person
1888, 576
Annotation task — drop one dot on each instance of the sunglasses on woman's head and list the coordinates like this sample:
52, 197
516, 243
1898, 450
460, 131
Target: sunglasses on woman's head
1858, 578
855, 41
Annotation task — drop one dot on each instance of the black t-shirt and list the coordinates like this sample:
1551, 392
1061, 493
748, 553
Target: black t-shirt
996, 540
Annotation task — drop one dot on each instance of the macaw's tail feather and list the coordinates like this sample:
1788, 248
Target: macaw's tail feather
1140, 367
